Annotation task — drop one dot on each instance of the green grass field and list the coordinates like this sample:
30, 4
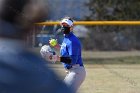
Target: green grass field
109, 72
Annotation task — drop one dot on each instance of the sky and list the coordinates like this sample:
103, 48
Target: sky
73, 8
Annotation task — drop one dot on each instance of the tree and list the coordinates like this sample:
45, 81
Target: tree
114, 10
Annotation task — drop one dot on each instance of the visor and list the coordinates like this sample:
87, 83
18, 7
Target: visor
67, 21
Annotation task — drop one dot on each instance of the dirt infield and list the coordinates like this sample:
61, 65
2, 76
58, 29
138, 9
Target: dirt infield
108, 78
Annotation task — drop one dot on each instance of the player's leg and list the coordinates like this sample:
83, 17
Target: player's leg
75, 77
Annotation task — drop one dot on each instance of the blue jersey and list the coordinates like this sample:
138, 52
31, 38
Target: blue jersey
71, 47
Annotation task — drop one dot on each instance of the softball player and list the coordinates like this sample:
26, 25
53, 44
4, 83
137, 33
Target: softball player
70, 55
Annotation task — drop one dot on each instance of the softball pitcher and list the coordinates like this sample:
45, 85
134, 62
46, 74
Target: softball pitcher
70, 55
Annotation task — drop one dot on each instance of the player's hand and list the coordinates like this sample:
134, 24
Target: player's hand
53, 58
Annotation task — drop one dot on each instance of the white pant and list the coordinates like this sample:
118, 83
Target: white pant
76, 75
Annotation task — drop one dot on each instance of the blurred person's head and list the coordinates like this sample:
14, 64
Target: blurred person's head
17, 17
66, 25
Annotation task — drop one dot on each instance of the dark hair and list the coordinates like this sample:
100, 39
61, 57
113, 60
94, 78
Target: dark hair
11, 9
22, 14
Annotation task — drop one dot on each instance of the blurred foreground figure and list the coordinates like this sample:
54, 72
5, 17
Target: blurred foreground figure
20, 70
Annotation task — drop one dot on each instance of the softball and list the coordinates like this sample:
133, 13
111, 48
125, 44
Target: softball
53, 42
